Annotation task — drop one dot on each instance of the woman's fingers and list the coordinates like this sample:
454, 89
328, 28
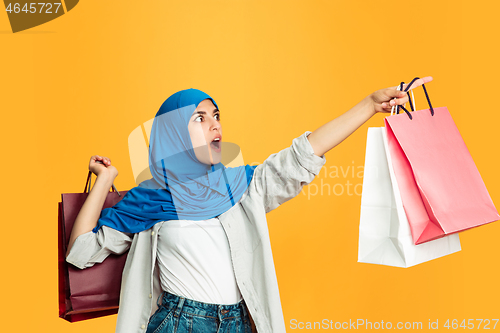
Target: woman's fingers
386, 99
398, 98
385, 107
403, 98
103, 159
396, 94
417, 83
399, 101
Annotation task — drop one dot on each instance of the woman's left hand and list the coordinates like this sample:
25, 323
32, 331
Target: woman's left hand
384, 99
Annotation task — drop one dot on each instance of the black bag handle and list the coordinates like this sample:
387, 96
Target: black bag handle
411, 105
409, 99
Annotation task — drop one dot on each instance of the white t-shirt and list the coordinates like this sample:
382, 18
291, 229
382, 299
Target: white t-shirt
194, 261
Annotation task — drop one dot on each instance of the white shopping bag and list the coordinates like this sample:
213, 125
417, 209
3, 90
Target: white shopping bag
384, 233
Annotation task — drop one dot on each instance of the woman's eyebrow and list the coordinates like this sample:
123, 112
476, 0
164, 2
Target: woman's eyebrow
203, 112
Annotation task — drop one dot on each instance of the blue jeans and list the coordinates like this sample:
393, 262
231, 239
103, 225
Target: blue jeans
184, 315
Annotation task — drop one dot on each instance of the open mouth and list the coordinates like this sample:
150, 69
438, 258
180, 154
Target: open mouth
215, 145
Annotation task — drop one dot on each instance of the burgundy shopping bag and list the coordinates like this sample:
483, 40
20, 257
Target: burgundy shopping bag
91, 292
441, 188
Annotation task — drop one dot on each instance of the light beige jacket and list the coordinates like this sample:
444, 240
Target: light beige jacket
278, 179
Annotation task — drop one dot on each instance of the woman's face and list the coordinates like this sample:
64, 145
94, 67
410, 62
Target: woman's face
204, 126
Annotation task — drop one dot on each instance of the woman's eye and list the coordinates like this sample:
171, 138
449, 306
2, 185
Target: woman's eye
217, 115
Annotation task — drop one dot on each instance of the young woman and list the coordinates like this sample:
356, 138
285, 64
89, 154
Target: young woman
196, 231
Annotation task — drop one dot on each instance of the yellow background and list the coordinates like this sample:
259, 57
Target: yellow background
78, 85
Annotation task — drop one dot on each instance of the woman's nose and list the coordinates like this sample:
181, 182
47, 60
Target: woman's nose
215, 124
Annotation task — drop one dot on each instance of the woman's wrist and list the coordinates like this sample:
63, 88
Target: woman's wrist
106, 177
370, 109
109, 173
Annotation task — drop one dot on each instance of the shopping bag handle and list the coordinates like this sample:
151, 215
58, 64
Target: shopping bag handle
89, 181
400, 87
406, 90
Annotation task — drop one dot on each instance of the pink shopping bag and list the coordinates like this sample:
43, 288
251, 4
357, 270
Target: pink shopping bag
441, 189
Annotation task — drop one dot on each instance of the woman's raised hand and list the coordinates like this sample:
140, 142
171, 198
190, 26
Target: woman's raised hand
106, 167
384, 99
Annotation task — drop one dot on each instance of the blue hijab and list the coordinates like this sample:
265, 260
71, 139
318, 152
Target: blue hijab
182, 188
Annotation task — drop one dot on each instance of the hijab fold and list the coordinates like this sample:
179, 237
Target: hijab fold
181, 187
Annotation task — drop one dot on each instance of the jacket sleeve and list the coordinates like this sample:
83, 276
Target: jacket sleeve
91, 248
282, 175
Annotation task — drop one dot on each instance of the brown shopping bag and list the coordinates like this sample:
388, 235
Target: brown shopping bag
92, 292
